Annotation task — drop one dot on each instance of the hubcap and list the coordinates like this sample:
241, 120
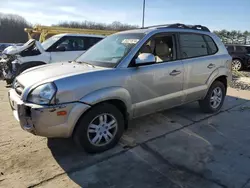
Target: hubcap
102, 129
236, 65
216, 97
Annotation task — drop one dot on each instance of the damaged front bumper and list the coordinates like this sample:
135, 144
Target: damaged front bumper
7, 67
44, 120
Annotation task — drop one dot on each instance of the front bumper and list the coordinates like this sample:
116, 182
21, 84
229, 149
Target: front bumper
5, 68
44, 120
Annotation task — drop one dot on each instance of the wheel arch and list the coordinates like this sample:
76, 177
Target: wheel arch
111, 94
30, 64
239, 58
221, 74
117, 96
116, 102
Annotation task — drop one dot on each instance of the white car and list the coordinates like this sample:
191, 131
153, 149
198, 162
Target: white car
58, 48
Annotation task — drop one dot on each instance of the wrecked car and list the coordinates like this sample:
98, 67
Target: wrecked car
58, 48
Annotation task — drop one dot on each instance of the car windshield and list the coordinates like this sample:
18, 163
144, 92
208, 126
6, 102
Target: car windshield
110, 51
47, 43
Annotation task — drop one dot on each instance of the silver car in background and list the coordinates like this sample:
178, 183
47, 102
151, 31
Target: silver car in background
124, 76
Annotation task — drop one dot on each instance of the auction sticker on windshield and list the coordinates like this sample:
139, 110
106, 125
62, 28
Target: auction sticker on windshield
130, 41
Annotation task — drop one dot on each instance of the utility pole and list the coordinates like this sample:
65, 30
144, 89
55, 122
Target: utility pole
143, 13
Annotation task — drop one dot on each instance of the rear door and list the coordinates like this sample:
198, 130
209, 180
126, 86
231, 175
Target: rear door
199, 63
241, 53
71, 47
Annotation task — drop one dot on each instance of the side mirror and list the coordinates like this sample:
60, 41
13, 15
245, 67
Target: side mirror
144, 59
60, 48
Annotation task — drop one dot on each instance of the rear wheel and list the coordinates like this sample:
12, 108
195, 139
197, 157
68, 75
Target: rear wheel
237, 65
214, 98
99, 129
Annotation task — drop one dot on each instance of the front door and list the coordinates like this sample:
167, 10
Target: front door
158, 86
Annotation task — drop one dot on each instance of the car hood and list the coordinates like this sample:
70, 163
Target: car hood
54, 71
12, 50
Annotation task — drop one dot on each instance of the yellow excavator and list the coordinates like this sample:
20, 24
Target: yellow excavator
48, 31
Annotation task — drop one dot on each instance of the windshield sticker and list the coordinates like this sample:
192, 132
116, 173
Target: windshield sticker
130, 41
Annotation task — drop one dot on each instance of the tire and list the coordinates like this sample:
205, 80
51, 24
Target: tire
89, 127
9, 81
237, 65
23, 68
207, 105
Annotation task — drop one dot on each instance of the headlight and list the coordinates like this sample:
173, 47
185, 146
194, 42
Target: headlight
42, 94
4, 56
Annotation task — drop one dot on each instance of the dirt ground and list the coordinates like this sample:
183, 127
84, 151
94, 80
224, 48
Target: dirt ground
181, 147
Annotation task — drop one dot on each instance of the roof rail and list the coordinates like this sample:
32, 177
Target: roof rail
181, 26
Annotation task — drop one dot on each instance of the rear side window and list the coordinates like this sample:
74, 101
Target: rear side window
240, 49
193, 45
212, 48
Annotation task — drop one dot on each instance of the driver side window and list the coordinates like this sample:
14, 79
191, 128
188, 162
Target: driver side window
162, 47
70, 44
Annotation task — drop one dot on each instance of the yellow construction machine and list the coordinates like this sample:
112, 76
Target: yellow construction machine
48, 31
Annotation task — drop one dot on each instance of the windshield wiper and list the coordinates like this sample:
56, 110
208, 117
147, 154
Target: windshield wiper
84, 63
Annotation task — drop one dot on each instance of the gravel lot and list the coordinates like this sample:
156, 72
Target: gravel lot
239, 84
181, 147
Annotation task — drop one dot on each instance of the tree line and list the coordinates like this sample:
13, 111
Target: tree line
12, 29
234, 37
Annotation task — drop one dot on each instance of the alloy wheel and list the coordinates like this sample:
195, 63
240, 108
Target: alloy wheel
102, 129
216, 97
236, 65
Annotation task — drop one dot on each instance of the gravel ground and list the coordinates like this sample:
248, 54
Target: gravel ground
238, 84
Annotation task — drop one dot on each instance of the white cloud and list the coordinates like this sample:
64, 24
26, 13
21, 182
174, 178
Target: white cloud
48, 12
69, 9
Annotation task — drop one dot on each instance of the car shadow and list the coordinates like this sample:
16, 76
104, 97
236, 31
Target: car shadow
191, 141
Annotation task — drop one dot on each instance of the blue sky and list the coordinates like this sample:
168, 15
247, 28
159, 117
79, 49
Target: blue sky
216, 14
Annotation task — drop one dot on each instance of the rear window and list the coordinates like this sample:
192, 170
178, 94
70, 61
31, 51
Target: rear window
193, 45
211, 45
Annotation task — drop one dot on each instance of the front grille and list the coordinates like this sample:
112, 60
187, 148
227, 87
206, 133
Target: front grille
18, 88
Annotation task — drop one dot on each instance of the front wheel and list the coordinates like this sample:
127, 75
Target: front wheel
214, 98
99, 129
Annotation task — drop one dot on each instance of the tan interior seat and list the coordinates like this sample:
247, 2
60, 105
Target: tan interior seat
162, 52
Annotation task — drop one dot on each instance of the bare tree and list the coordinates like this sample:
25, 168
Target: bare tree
12, 28
118, 26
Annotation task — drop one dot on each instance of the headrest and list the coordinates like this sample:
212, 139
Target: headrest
162, 49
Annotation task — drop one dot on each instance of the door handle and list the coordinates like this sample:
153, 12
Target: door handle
211, 65
175, 72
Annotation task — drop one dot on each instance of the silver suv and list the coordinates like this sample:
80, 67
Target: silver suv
126, 75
